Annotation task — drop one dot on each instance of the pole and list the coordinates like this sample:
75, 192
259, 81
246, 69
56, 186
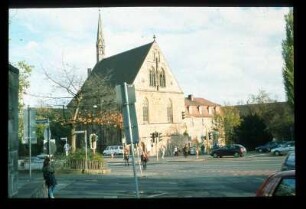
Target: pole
156, 138
30, 143
131, 135
86, 163
49, 147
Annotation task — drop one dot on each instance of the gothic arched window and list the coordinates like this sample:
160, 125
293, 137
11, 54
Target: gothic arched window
162, 78
145, 110
152, 77
170, 111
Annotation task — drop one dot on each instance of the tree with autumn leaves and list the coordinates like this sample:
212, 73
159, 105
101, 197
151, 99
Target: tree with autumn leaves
93, 102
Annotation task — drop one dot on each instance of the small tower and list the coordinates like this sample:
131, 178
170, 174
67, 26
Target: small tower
100, 41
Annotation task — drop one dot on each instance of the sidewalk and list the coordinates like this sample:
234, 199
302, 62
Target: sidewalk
33, 187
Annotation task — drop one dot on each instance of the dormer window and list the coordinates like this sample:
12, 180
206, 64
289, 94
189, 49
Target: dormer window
209, 110
200, 110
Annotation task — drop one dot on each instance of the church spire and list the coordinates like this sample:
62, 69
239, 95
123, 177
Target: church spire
100, 41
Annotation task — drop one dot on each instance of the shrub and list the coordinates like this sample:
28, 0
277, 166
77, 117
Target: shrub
80, 154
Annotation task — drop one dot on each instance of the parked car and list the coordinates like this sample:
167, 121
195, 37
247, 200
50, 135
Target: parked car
266, 147
236, 150
289, 162
281, 183
113, 150
192, 151
283, 149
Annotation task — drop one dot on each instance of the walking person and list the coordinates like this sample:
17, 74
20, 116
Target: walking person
175, 151
49, 177
144, 159
66, 148
163, 149
185, 150
126, 157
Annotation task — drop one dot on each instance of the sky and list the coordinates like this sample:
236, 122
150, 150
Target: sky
222, 54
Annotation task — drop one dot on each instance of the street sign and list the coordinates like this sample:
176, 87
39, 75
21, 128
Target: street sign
42, 121
120, 94
29, 126
128, 111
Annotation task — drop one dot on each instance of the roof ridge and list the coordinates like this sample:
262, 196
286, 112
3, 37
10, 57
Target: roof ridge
128, 51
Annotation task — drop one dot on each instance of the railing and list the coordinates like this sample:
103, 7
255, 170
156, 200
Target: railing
80, 164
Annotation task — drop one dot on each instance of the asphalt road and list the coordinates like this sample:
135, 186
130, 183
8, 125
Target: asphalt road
173, 177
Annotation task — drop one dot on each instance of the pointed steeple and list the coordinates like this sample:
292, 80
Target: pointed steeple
100, 41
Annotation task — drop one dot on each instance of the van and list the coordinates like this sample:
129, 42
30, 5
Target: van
114, 149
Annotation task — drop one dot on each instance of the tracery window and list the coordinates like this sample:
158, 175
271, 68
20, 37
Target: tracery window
152, 77
170, 111
145, 110
162, 78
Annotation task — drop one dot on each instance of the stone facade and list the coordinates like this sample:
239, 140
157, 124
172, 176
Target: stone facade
13, 130
160, 100
164, 102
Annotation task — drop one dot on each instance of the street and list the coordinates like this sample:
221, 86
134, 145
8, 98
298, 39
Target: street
174, 177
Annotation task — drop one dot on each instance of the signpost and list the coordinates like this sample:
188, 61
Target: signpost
29, 132
126, 97
47, 133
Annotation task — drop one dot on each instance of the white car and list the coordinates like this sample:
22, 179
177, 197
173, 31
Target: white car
113, 150
284, 148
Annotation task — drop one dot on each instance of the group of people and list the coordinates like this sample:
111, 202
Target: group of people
185, 151
144, 158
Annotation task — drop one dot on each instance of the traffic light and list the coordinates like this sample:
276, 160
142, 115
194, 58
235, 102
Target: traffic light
160, 136
183, 115
153, 137
210, 135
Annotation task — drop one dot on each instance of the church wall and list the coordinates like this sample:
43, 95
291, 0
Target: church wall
158, 100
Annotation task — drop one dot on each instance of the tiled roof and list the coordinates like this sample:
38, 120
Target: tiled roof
199, 102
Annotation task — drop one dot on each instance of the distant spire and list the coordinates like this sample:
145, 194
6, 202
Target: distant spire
154, 37
100, 41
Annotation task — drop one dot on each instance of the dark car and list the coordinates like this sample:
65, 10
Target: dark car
236, 150
281, 183
266, 147
289, 162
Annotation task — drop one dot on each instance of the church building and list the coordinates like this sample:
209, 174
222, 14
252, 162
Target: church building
160, 102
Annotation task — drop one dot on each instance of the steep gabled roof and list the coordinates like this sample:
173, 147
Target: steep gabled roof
122, 67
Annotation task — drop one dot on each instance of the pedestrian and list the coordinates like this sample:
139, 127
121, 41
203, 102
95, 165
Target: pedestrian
163, 149
49, 177
144, 159
126, 157
185, 150
197, 152
175, 151
67, 148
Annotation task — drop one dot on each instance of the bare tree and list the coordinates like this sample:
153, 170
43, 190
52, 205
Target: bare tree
87, 98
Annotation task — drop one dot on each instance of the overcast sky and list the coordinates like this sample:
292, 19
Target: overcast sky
221, 54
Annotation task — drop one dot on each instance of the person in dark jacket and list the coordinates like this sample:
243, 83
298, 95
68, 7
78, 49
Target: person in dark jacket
49, 177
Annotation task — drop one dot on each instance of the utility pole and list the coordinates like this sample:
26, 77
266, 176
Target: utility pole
30, 143
48, 134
